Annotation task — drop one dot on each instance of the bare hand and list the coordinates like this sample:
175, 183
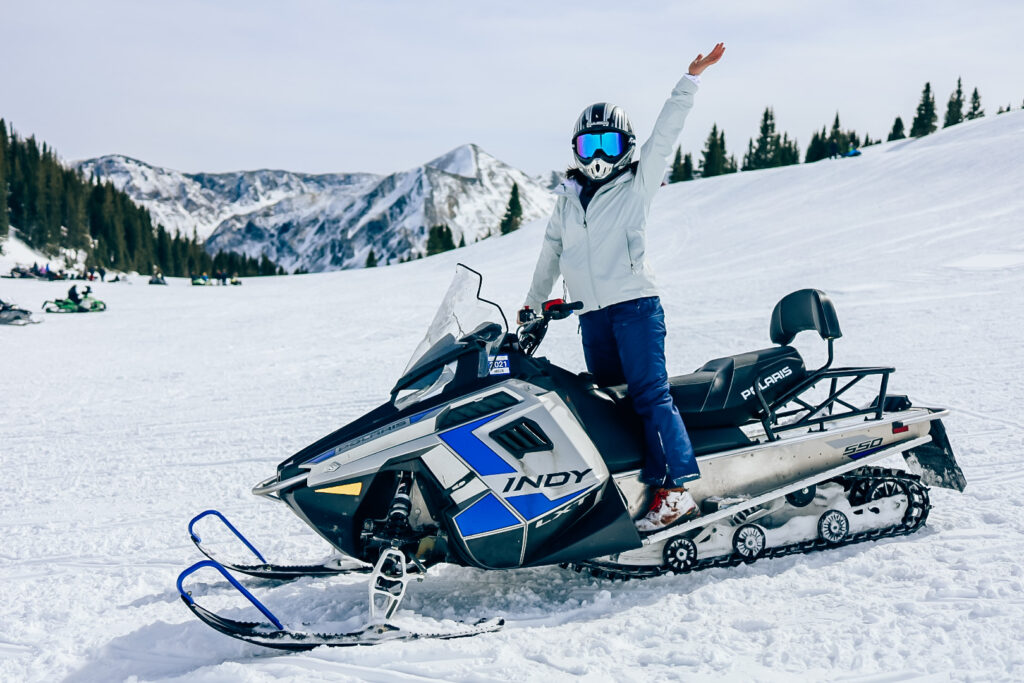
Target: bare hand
701, 62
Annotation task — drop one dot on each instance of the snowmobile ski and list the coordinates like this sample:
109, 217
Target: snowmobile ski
273, 634
332, 566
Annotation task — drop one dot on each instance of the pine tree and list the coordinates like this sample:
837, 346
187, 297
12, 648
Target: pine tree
955, 107
924, 120
975, 112
730, 162
787, 152
439, 240
687, 167
678, 173
897, 130
462, 241
763, 154
818, 147
513, 217
836, 135
371, 260
715, 161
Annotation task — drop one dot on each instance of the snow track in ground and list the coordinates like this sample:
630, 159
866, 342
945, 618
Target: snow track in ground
116, 428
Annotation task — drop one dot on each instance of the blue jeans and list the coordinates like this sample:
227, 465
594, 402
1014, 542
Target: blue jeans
625, 343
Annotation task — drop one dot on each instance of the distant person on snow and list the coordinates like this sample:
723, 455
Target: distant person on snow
596, 240
833, 150
77, 299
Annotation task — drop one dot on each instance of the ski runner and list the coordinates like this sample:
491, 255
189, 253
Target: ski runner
596, 240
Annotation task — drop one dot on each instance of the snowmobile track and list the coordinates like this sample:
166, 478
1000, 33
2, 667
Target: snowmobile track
866, 478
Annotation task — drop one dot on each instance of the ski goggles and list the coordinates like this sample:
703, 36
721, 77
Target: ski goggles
609, 143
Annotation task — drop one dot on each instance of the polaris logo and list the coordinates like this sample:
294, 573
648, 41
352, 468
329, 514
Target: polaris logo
768, 381
544, 481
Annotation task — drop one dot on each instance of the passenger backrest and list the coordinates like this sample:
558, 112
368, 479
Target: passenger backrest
806, 309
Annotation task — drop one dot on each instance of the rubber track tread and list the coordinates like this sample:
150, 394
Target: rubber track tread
913, 519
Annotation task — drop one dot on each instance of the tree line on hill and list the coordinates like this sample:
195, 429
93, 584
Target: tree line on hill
55, 207
772, 149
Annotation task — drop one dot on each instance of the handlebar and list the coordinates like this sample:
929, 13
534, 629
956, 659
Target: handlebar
558, 309
531, 332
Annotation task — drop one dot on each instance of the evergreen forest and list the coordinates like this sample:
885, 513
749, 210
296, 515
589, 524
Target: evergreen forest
54, 207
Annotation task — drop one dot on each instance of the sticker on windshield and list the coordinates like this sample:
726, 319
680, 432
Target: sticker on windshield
499, 365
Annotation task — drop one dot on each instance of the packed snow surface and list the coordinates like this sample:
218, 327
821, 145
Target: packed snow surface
116, 428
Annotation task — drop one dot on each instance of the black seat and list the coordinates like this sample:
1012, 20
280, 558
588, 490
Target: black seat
721, 392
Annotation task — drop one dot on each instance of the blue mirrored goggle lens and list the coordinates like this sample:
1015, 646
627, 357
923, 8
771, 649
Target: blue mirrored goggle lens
589, 144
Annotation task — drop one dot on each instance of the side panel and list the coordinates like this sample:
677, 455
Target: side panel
528, 473
514, 486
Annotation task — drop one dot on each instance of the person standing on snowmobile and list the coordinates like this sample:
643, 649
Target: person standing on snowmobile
596, 240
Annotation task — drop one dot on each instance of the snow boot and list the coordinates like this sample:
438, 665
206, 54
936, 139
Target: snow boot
669, 506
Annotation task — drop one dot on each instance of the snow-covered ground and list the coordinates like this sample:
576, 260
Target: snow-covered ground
116, 428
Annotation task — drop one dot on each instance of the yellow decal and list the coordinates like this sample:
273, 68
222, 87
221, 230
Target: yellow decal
352, 489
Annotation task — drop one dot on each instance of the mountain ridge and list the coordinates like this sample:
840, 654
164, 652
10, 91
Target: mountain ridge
328, 221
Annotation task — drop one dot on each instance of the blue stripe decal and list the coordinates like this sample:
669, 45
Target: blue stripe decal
534, 505
487, 514
426, 413
321, 457
475, 452
858, 456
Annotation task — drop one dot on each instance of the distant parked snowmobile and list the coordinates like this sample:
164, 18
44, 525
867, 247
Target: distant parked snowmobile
87, 304
12, 315
487, 456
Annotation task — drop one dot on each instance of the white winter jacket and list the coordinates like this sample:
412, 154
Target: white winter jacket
601, 252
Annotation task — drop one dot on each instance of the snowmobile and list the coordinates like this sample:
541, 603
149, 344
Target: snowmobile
12, 315
488, 456
87, 305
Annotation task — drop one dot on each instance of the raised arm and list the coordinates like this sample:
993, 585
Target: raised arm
656, 152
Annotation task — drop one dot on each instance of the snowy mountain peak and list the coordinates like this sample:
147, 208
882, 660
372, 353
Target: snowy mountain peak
462, 161
329, 221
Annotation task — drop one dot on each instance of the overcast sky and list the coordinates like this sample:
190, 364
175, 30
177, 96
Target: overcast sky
382, 86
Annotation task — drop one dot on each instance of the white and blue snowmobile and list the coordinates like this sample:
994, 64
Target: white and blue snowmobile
487, 456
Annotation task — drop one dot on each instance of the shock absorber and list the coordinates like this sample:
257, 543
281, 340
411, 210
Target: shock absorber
401, 504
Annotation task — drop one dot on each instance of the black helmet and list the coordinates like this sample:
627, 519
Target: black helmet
603, 141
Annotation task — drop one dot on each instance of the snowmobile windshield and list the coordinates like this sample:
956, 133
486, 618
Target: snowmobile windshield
462, 316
